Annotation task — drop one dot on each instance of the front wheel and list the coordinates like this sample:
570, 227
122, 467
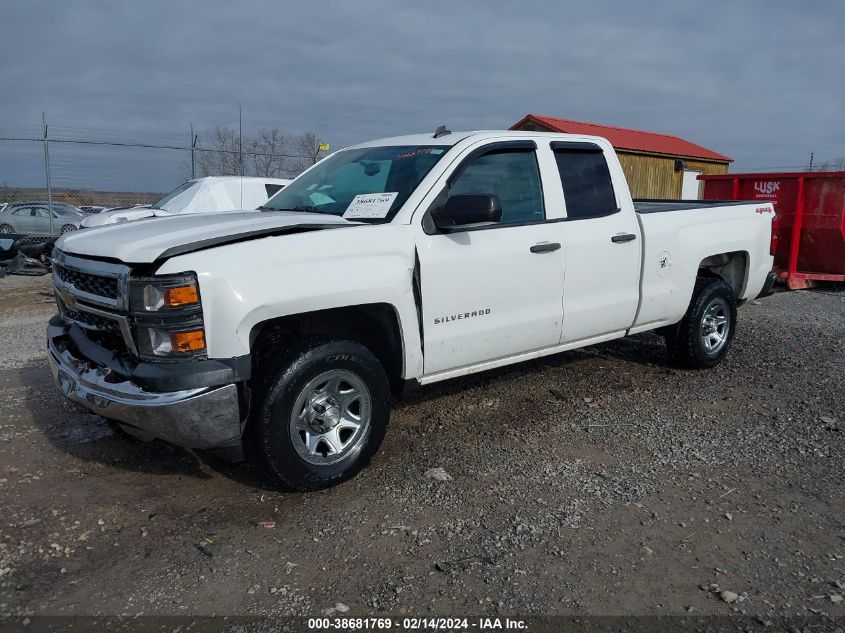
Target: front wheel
320, 414
6, 229
702, 339
68, 228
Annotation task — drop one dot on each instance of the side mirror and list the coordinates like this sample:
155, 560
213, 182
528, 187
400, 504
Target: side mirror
467, 208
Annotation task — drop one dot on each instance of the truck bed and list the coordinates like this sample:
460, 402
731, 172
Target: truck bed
646, 205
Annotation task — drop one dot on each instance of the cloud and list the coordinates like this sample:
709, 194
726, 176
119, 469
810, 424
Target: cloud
758, 81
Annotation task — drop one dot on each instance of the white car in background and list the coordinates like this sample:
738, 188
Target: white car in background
202, 195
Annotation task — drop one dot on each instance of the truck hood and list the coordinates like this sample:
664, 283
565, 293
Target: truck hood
146, 242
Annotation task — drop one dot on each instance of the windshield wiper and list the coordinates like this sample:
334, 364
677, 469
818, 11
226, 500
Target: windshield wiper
299, 208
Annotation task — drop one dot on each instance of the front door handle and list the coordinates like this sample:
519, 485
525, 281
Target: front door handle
545, 247
620, 238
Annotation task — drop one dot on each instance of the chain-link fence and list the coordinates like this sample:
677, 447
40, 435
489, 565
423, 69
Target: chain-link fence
70, 169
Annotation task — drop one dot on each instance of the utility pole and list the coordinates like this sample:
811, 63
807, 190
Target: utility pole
193, 157
47, 172
811, 162
240, 150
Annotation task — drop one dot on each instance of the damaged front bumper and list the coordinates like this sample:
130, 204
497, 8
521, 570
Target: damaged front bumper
201, 417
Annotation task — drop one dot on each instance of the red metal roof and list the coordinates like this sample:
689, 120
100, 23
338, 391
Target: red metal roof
624, 138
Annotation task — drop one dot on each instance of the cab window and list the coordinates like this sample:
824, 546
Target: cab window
511, 174
587, 185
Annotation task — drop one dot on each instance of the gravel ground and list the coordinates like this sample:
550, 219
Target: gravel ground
595, 482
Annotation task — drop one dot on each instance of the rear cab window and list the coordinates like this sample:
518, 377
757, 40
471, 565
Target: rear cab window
587, 184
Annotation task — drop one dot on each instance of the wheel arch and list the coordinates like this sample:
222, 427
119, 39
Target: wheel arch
731, 267
376, 326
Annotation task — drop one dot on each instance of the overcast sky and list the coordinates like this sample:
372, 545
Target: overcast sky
759, 81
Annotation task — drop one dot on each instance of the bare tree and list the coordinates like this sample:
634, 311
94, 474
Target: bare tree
307, 149
837, 164
270, 154
267, 154
219, 156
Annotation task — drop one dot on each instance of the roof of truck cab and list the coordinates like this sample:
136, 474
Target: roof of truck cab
453, 138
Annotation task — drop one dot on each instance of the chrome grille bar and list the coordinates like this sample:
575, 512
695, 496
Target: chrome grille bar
112, 275
97, 288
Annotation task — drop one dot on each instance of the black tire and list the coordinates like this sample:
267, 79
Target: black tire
687, 342
68, 228
269, 440
6, 229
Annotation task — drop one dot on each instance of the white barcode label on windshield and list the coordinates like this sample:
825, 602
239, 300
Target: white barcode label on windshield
370, 205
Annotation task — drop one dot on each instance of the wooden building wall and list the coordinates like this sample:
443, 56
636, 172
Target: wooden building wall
651, 176
655, 176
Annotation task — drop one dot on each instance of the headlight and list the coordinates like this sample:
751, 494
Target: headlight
160, 294
158, 342
168, 317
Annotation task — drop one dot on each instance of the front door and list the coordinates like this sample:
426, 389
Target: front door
494, 291
23, 221
41, 221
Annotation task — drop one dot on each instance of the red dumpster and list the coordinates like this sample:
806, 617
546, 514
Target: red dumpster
810, 223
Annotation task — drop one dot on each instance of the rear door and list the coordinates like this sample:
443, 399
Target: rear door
492, 292
601, 244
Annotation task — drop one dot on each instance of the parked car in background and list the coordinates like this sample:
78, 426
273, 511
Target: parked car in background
58, 205
33, 218
202, 195
89, 209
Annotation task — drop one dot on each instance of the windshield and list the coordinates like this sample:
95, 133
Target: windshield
181, 188
369, 184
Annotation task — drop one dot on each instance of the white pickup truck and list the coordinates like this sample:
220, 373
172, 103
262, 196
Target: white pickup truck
283, 334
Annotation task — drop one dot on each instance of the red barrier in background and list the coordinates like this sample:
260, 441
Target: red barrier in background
810, 222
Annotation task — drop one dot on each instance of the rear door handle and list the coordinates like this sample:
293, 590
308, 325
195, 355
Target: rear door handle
545, 247
619, 238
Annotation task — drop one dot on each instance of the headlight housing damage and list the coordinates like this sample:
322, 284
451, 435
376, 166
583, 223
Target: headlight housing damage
168, 317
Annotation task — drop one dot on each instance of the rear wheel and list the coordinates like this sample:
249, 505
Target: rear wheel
321, 412
6, 229
68, 228
702, 339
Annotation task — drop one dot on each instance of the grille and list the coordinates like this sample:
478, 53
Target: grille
86, 319
86, 282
